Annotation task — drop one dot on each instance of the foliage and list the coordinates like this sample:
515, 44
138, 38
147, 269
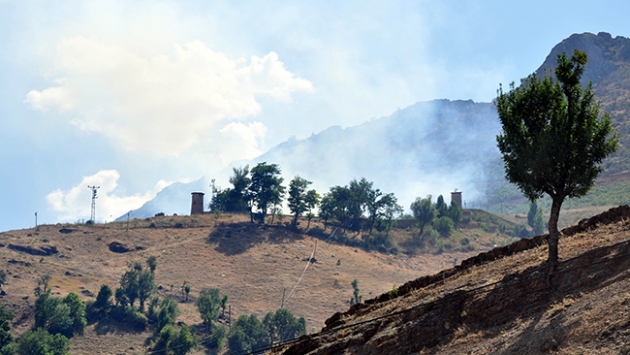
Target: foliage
443, 225
553, 141
60, 315
136, 284
152, 263
172, 342
454, 212
423, 211
297, 197
167, 314
441, 207
282, 326
266, 187
247, 335
356, 297
6, 316
236, 199
208, 304
40, 342
535, 220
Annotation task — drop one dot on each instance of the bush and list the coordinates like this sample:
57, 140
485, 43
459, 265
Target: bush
60, 315
40, 342
444, 225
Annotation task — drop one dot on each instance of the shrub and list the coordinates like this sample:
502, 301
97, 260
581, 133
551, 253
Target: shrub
40, 342
444, 226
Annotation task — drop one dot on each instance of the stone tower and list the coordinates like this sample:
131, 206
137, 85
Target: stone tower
457, 197
197, 203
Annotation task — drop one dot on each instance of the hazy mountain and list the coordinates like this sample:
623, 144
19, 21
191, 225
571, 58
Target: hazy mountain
430, 147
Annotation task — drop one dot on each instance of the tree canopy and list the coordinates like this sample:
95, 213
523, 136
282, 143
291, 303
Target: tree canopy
553, 139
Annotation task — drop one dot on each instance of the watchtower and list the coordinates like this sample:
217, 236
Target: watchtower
197, 203
457, 197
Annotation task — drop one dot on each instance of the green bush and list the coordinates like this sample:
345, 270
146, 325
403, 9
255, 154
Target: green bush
444, 225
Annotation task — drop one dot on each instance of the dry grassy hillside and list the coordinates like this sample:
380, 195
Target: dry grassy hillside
505, 301
253, 264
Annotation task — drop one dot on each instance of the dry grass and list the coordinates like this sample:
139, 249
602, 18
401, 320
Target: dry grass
254, 265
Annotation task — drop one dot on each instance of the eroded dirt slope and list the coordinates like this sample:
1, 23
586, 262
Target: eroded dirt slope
506, 301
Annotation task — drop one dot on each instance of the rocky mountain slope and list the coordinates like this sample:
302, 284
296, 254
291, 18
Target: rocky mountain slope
506, 301
432, 147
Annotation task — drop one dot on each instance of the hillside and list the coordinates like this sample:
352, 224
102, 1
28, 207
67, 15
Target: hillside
506, 301
255, 265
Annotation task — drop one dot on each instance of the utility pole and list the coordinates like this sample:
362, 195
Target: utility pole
94, 197
35, 219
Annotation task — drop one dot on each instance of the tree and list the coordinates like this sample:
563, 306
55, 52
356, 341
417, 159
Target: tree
247, 335
379, 206
356, 296
359, 195
297, 197
454, 212
441, 207
129, 285
60, 315
312, 199
423, 211
146, 286
6, 316
335, 204
443, 225
208, 304
282, 326
535, 219
40, 342
186, 289
266, 187
553, 139
152, 263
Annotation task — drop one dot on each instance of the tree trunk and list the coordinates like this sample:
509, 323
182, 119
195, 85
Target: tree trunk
554, 234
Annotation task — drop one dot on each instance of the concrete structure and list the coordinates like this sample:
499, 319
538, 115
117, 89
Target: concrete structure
197, 203
457, 197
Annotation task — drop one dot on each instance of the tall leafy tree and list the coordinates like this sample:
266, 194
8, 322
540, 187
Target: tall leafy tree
553, 137
266, 187
441, 207
423, 211
311, 199
535, 219
359, 194
378, 206
297, 197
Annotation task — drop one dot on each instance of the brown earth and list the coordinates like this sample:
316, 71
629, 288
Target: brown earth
505, 301
253, 264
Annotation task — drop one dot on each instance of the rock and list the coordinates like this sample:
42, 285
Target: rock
19, 262
118, 247
66, 230
44, 250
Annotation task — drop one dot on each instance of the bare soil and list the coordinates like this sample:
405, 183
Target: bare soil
505, 301
255, 265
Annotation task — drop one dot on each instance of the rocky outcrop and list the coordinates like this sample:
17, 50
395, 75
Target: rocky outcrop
43, 250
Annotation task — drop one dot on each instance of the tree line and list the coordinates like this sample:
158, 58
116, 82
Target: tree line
355, 206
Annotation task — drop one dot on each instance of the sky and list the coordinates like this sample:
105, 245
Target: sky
133, 96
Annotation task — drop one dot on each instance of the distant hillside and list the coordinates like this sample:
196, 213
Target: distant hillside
434, 147
428, 148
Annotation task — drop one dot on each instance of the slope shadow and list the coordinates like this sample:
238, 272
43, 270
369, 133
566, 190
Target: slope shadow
237, 238
526, 297
518, 298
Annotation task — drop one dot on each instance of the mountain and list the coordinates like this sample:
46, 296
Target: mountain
608, 68
433, 147
427, 148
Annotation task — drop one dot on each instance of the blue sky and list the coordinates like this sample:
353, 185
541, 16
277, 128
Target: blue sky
135, 95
